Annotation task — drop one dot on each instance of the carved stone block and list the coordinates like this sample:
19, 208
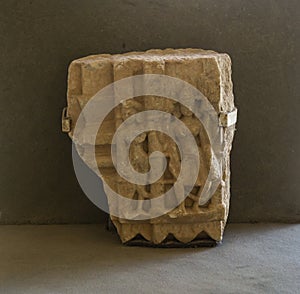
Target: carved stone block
191, 222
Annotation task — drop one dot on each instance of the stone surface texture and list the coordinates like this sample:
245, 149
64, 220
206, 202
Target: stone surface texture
208, 71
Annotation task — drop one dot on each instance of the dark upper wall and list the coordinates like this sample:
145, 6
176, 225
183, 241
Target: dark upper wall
40, 38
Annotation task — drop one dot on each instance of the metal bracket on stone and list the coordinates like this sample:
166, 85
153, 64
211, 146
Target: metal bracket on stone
65, 121
227, 119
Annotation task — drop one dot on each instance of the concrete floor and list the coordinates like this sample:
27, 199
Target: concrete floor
260, 258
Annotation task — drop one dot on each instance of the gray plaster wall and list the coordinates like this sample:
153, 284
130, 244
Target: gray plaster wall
40, 38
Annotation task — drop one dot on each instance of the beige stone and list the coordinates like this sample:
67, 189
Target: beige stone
208, 71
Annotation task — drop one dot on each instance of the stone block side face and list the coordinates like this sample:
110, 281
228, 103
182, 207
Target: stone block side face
226, 104
209, 72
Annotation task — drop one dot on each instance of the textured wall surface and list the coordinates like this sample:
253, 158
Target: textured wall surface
40, 38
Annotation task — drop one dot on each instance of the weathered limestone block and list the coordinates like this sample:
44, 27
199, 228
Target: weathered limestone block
208, 71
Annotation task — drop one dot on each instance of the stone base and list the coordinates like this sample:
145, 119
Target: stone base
171, 242
202, 240
168, 235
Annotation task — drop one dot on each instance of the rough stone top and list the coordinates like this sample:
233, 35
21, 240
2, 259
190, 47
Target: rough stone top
169, 54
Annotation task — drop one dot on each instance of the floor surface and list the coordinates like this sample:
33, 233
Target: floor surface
257, 258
